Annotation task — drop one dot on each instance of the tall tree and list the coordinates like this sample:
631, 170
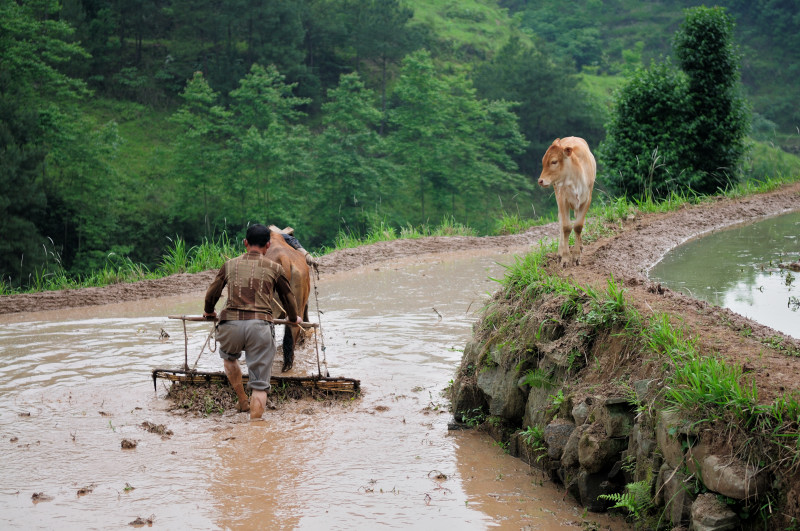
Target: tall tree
550, 103
349, 165
204, 128
34, 45
269, 142
456, 147
673, 129
706, 52
382, 34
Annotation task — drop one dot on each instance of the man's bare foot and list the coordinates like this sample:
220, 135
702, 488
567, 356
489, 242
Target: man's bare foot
258, 402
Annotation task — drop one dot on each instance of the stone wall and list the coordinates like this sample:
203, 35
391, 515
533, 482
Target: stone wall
596, 439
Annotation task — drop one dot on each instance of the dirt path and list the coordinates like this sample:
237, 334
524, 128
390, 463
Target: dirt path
627, 255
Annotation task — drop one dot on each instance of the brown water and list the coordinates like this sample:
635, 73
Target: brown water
384, 460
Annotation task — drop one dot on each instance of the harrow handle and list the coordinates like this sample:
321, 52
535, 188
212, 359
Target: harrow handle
274, 321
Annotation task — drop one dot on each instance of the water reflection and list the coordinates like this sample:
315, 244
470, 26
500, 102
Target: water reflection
737, 268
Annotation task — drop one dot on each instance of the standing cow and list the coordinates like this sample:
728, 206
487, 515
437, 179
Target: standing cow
569, 166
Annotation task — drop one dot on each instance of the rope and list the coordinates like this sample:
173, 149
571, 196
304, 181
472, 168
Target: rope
319, 320
211, 333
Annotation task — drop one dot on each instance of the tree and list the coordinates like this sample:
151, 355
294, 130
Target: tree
200, 149
269, 143
456, 147
380, 32
351, 171
684, 129
646, 150
706, 53
550, 105
34, 45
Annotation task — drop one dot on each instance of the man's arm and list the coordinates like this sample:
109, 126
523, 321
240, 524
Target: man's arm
295, 243
214, 292
285, 293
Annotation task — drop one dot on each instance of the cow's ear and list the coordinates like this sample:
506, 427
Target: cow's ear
568, 151
556, 141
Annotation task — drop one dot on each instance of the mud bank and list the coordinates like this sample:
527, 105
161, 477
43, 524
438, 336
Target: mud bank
571, 373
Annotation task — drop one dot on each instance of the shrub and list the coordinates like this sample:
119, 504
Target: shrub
680, 129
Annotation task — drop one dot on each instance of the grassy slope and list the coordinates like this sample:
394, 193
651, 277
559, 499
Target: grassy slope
469, 27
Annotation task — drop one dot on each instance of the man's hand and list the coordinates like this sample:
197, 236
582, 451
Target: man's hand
310, 260
299, 320
210, 316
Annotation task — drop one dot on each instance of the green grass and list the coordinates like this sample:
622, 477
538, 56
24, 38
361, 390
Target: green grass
382, 232
514, 223
177, 258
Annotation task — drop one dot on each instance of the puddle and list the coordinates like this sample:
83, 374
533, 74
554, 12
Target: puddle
384, 460
738, 268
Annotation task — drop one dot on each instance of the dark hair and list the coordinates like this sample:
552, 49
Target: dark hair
258, 235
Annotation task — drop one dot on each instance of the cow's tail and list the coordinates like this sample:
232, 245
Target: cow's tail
288, 348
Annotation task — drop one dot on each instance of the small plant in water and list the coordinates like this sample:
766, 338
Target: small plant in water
534, 438
473, 417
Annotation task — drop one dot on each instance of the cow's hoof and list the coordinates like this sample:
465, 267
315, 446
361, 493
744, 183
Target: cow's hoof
287, 366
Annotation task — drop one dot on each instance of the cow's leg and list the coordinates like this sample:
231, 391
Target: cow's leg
288, 347
580, 218
566, 228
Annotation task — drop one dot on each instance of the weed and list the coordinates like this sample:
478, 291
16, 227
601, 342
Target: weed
473, 417
557, 399
534, 438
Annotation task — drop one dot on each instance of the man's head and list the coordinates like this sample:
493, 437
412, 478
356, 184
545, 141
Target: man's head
257, 236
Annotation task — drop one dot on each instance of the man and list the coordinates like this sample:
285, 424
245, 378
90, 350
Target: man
246, 321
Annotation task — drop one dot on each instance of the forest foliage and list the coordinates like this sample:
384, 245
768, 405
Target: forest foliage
127, 125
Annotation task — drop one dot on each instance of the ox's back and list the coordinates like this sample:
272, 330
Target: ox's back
296, 268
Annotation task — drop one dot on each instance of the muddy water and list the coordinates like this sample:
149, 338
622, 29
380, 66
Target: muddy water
76, 384
737, 268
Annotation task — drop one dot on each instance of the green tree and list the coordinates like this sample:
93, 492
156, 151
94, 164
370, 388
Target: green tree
455, 147
550, 103
646, 150
706, 53
381, 34
270, 145
684, 129
204, 126
34, 97
349, 165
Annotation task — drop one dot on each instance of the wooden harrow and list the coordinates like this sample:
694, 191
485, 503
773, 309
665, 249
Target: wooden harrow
192, 376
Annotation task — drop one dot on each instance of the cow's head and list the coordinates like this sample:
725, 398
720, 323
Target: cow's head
553, 163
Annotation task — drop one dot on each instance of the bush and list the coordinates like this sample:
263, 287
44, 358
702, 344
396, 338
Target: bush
680, 129
645, 151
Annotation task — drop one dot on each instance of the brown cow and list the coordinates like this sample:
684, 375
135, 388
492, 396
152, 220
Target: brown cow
298, 273
569, 166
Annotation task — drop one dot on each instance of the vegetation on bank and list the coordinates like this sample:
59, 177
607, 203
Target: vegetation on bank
212, 253
709, 393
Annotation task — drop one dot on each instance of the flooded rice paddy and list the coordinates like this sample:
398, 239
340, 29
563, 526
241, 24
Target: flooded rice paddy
76, 383
738, 268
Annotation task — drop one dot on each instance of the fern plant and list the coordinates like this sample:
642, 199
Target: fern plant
636, 499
